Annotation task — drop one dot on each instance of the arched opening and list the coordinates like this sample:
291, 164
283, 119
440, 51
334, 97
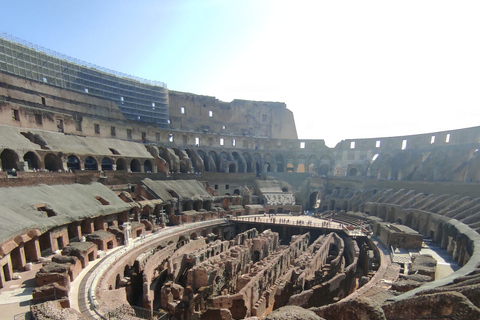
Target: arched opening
9, 159
187, 205
258, 169
197, 205
107, 164
90, 163
323, 169
73, 163
52, 162
266, 167
279, 163
121, 164
32, 160
147, 166
135, 166
352, 172
240, 162
314, 202
232, 168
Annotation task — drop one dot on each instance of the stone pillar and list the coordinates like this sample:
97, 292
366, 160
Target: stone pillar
18, 260
6, 270
127, 232
78, 228
32, 250
88, 226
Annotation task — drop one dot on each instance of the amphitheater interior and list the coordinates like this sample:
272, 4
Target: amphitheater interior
122, 199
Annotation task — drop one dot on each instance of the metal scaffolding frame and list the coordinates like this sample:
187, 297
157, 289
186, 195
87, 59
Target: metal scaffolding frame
138, 99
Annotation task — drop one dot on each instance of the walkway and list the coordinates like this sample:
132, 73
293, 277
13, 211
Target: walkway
303, 221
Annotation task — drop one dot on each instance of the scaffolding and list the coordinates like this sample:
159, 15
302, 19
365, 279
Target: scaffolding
138, 99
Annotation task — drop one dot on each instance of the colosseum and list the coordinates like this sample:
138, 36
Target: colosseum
122, 199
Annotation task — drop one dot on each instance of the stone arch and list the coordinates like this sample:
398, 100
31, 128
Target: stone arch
107, 164
279, 162
313, 201
32, 160
52, 162
73, 163
240, 162
268, 162
290, 163
207, 205
311, 163
223, 162
301, 159
90, 163
121, 164
206, 162
147, 166
197, 205
331, 205
135, 166
165, 155
215, 159
232, 167
197, 161
187, 205
258, 164
181, 241
9, 159
248, 162
323, 169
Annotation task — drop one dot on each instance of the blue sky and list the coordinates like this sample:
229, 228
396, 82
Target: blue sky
347, 69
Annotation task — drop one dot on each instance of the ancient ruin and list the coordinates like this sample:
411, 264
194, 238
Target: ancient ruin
134, 201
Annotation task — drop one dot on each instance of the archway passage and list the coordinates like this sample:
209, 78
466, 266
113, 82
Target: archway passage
90, 163
107, 164
9, 159
147, 165
33, 163
135, 166
73, 163
314, 202
52, 162
121, 164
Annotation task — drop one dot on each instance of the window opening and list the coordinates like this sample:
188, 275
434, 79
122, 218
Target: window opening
432, 140
447, 139
302, 145
15, 115
404, 144
96, 126
377, 144
352, 145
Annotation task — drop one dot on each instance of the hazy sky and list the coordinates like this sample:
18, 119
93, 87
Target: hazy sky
347, 69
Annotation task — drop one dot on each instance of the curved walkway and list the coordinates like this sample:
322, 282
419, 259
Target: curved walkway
83, 288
